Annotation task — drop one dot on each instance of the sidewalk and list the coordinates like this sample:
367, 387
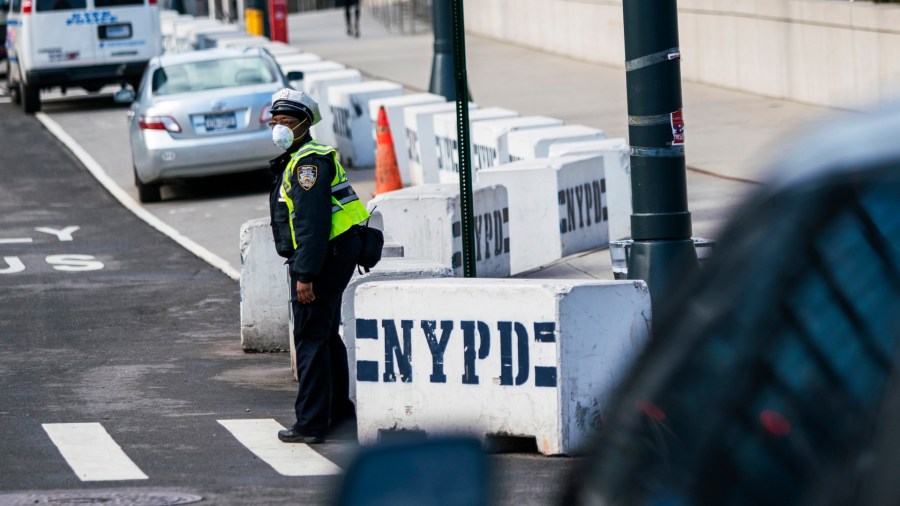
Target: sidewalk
730, 134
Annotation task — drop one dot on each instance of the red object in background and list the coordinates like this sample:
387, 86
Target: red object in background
278, 16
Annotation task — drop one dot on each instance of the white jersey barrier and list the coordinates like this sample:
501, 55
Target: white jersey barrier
309, 68
509, 357
316, 85
420, 136
393, 108
265, 290
540, 232
352, 124
535, 142
196, 38
616, 170
489, 138
446, 137
388, 269
426, 220
265, 299
299, 57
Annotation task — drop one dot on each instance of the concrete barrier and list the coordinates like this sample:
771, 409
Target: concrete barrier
509, 357
218, 39
420, 135
541, 234
616, 170
425, 219
309, 68
352, 124
317, 86
388, 269
281, 49
393, 107
489, 138
196, 38
246, 41
535, 142
299, 57
265, 299
447, 140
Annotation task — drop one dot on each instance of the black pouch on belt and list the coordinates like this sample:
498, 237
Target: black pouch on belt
372, 245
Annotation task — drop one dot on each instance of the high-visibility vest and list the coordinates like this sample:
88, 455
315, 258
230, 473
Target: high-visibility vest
346, 209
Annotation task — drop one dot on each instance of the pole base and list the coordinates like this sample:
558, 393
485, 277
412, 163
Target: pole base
659, 263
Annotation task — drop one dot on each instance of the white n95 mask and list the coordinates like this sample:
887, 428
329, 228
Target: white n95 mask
282, 136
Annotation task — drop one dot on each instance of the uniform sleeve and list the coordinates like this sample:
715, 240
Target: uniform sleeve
310, 194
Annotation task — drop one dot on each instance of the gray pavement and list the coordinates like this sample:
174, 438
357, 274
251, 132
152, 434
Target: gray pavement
730, 134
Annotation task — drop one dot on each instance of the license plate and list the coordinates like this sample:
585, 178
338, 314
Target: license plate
220, 122
119, 31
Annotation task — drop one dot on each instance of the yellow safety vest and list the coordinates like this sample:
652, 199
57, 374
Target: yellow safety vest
346, 209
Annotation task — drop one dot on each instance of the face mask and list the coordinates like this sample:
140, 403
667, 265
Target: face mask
282, 136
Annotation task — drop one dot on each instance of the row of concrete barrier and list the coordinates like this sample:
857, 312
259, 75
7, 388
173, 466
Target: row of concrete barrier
431, 351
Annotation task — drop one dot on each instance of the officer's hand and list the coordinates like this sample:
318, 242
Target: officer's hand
305, 292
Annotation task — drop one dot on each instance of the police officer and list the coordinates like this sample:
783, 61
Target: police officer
315, 214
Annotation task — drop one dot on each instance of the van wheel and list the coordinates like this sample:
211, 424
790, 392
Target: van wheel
31, 98
147, 192
15, 93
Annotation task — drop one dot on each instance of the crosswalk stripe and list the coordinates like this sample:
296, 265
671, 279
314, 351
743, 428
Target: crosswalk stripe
92, 453
289, 459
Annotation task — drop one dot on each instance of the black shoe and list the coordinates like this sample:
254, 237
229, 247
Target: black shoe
293, 435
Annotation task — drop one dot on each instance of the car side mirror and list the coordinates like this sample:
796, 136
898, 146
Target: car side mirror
295, 75
124, 96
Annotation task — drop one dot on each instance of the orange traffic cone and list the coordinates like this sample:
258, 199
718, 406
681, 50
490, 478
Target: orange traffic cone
387, 174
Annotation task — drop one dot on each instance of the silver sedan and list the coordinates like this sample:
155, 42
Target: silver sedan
202, 113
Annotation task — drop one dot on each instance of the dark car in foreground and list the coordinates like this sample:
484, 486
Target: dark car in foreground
773, 379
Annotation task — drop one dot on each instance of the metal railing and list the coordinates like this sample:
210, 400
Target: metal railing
403, 16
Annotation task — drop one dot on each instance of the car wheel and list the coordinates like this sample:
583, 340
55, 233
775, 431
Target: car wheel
147, 192
31, 98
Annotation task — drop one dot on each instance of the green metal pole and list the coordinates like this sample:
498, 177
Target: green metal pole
462, 136
442, 67
660, 221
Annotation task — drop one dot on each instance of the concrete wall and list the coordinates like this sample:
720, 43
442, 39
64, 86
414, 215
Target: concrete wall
826, 52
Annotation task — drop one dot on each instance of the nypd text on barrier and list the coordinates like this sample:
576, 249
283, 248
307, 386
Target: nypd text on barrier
579, 204
514, 341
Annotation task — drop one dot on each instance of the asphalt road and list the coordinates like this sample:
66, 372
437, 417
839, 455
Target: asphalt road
115, 339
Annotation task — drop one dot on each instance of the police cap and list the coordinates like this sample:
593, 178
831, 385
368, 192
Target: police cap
296, 104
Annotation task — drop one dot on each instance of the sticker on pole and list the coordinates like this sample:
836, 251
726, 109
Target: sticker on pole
677, 120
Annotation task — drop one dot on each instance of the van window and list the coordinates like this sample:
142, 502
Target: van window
116, 3
16, 6
59, 5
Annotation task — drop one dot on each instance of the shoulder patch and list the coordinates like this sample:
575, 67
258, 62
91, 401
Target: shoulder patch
307, 175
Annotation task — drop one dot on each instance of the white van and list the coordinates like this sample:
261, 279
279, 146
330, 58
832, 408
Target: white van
78, 43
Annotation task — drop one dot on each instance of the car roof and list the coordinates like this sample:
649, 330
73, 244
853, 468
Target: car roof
207, 54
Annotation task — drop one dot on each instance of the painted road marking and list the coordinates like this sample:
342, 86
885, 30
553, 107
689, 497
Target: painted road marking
289, 459
92, 453
20, 240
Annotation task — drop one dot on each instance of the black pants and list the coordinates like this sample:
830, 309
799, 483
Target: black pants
352, 29
323, 397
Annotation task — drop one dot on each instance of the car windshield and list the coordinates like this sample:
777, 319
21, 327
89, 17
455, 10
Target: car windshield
211, 74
